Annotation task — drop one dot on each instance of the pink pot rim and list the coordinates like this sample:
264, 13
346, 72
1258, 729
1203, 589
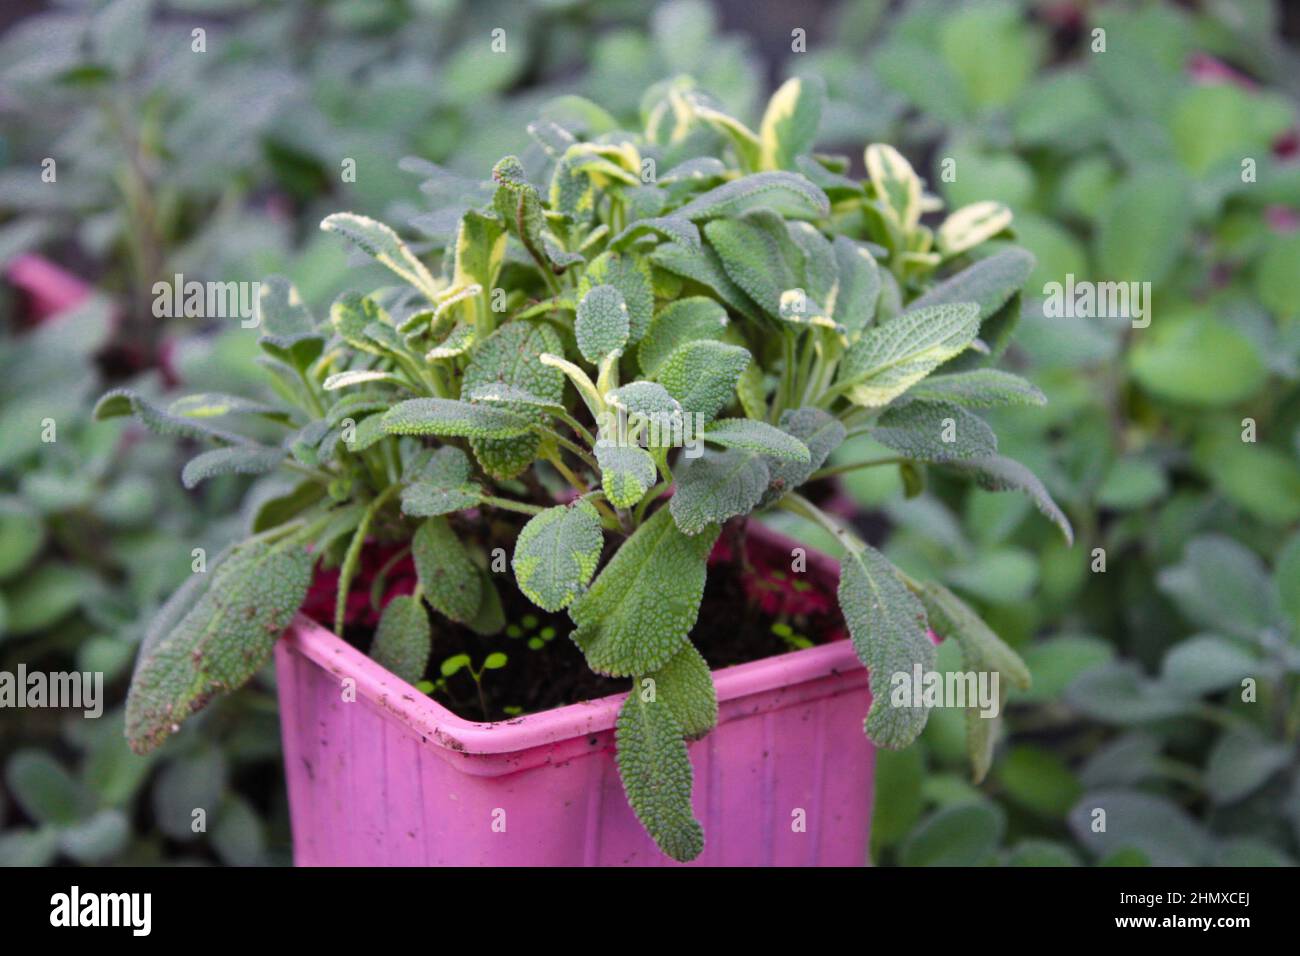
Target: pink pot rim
437, 725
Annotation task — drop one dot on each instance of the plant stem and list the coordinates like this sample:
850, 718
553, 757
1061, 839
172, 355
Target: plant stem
508, 504
576, 483
578, 429
574, 447
869, 463
798, 504
353, 556
316, 474
650, 498
312, 398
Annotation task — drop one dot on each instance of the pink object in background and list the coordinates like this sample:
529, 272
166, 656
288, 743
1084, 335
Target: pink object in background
392, 778
51, 289
1205, 68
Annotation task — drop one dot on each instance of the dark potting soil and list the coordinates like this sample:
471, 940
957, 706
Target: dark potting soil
754, 607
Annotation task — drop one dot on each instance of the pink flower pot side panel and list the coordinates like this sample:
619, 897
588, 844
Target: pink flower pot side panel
391, 778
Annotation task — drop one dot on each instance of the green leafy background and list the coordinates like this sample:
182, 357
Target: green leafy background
1117, 165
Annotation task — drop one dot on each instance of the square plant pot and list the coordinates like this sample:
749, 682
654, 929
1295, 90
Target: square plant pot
380, 774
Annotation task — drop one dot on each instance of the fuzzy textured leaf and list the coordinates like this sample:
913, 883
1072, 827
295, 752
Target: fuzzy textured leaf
891, 358
979, 388
510, 356
820, 432
717, 486
967, 227
445, 416
627, 472
556, 554
751, 435
448, 576
686, 320
441, 486
896, 183
223, 638
753, 259
657, 777
888, 628
288, 331
702, 375
637, 614
703, 266
789, 126
350, 315
999, 473
231, 460
859, 286
670, 228
602, 324
788, 194
989, 283
383, 245
935, 432
403, 640
124, 401
630, 275
685, 684
644, 400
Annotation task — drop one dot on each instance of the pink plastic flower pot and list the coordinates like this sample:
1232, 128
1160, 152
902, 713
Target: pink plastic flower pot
379, 774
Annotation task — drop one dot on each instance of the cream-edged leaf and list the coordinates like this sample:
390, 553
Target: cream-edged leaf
889, 359
556, 554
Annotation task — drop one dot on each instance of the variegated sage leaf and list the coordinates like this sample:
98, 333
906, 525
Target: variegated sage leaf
556, 554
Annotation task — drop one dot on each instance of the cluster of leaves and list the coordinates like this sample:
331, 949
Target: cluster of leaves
92, 538
752, 297
115, 92
1119, 164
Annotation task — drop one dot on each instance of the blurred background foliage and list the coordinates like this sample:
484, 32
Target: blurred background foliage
1120, 163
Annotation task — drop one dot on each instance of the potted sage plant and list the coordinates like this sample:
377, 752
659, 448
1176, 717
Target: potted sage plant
521, 479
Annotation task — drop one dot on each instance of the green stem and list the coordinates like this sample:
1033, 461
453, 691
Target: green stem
574, 447
312, 398
804, 377
508, 504
798, 504
870, 463
786, 387
316, 474
353, 556
578, 429
650, 497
